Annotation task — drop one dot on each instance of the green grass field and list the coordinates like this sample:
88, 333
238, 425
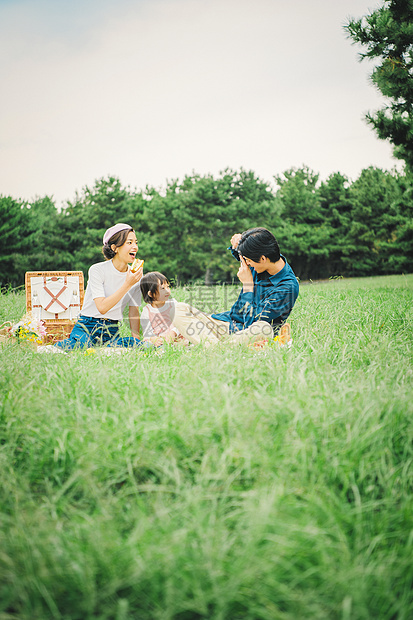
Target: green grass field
220, 484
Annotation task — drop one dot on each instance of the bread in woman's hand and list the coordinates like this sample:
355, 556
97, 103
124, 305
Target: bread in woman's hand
137, 264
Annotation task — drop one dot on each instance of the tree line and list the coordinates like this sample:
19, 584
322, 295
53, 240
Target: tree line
325, 228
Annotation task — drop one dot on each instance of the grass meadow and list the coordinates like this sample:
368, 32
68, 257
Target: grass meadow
221, 484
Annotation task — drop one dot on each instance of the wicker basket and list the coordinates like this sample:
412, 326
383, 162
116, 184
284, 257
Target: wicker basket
56, 298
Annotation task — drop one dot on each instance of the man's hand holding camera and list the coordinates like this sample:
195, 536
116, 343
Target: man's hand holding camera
244, 272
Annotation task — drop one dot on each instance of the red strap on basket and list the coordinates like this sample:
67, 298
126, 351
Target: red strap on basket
54, 297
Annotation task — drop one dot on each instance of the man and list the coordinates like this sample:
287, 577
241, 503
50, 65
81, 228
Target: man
269, 291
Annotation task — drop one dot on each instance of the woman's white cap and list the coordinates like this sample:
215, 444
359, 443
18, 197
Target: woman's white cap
113, 230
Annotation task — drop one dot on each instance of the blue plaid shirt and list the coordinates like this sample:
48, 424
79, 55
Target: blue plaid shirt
272, 300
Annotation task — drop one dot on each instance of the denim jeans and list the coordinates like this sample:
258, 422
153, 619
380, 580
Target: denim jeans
89, 332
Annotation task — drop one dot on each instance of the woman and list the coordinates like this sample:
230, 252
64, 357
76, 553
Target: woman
111, 287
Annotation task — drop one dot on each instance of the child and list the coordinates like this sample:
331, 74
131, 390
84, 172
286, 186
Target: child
111, 287
157, 316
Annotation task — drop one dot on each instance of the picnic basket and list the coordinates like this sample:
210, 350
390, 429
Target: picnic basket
55, 297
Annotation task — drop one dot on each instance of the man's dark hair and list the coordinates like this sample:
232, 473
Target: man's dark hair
150, 284
257, 242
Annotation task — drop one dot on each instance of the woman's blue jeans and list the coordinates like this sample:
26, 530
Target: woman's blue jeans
89, 332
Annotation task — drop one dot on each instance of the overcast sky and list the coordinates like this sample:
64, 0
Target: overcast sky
150, 90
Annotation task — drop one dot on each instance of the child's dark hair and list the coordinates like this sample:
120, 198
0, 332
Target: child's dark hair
118, 239
257, 242
150, 284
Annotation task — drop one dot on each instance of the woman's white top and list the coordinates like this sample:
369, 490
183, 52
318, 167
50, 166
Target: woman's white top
156, 321
104, 280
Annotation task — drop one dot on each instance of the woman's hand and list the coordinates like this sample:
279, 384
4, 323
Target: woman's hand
235, 239
170, 335
134, 321
245, 276
157, 341
133, 278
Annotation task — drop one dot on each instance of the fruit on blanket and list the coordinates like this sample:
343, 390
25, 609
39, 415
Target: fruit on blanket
137, 264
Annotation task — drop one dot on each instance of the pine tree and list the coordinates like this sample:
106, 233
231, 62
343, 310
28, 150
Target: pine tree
387, 36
